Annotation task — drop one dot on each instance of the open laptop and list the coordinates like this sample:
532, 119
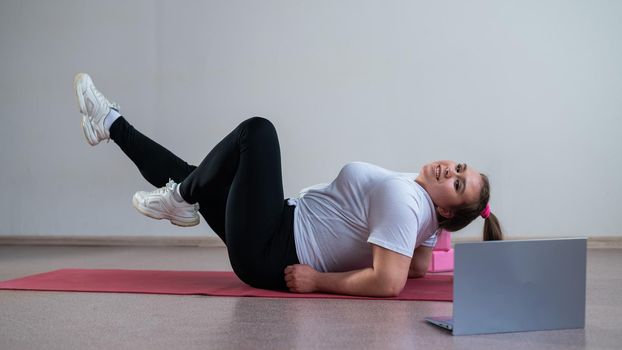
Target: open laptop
514, 286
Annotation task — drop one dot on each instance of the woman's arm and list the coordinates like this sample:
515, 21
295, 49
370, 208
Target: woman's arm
386, 278
420, 262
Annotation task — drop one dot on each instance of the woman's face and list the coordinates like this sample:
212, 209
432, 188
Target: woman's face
450, 184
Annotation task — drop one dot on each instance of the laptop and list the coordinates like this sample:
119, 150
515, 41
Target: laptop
516, 286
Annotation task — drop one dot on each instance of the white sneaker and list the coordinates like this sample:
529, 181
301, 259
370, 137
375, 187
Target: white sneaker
161, 204
94, 108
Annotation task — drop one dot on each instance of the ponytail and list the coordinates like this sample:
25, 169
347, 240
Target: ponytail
492, 229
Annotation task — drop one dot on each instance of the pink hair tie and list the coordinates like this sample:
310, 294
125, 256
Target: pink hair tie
486, 212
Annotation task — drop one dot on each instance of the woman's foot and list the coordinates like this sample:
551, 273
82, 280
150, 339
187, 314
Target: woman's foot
94, 108
166, 203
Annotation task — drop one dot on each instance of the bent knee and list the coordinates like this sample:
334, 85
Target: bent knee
258, 123
258, 129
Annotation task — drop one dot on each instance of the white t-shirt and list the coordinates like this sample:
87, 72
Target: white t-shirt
334, 223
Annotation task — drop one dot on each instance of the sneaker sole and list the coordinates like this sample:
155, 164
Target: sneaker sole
159, 216
87, 127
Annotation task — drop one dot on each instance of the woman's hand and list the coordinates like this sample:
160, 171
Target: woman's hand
301, 278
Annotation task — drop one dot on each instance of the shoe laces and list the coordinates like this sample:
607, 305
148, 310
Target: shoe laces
170, 187
112, 104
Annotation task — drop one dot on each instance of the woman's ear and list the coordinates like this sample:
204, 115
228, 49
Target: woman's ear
446, 213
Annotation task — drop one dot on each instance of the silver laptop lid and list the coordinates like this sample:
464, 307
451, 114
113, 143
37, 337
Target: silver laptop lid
511, 286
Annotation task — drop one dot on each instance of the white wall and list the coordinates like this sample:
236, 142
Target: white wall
528, 92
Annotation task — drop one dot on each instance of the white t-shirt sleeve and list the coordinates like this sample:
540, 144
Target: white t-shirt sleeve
431, 242
392, 217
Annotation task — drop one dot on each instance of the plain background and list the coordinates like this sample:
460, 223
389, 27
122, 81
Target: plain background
528, 92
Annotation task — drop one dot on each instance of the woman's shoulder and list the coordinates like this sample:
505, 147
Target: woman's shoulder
360, 165
365, 168
403, 189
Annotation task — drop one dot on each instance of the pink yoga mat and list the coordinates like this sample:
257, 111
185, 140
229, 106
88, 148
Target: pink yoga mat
431, 287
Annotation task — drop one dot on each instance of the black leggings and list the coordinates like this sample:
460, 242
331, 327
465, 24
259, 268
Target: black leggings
239, 189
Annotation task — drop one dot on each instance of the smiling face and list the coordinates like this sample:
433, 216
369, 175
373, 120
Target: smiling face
450, 185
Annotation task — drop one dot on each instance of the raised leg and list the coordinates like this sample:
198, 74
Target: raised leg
156, 163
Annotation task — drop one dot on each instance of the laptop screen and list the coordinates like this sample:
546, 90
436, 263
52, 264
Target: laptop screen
510, 286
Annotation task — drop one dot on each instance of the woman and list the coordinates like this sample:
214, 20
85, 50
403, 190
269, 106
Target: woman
363, 234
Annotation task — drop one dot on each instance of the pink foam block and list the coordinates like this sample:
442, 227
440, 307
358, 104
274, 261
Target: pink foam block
442, 261
443, 241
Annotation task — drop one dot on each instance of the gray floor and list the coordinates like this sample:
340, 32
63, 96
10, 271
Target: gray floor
58, 320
